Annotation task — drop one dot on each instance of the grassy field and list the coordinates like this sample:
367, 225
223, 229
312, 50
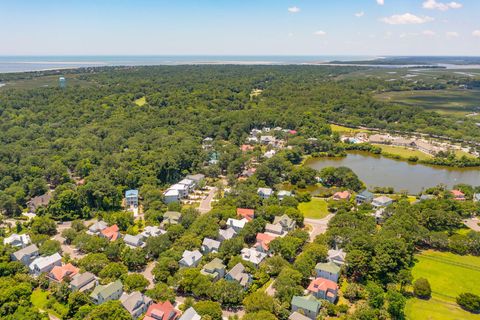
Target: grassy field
315, 209
404, 152
449, 275
141, 101
450, 101
345, 130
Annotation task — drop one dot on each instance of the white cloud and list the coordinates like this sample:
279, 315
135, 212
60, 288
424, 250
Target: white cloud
320, 33
406, 18
428, 33
359, 14
476, 33
452, 34
294, 9
434, 5
381, 2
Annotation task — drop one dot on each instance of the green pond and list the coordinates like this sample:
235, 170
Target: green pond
378, 171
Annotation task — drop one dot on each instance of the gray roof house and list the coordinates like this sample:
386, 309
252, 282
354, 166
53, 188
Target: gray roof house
328, 270
26, 255
104, 293
45, 264
382, 201
308, 305
337, 256
210, 246
197, 178
40, 201
152, 231
83, 282
190, 314
265, 193
134, 241
215, 269
18, 240
171, 217
237, 273
190, 258
135, 303
476, 197
364, 197
226, 234
275, 229
253, 256
298, 316
283, 193
95, 228
287, 223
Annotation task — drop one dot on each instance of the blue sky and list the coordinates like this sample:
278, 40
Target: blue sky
240, 27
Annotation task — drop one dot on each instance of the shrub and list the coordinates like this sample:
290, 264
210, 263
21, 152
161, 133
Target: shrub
469, 302
421, 288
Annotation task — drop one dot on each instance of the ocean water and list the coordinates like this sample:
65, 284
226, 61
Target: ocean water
10, 64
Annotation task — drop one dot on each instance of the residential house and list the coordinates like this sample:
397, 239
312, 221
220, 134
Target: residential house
247, 147
328, 270
283, 193
226, 234
40, 201
425, 197
104, 293
45, 264
265, 193
379, 215
267, 139
269, 154
458, 195
152, 231
17, 240
190, 314
337, 256
182, 189
215, 269
253, 256
190, 259
236, 224
136, 303
364, 197
83, 282
97, 227
382, 201
322, 288
190, 184
134, 241
26, 255
112, 233
210, 246
287, 223
237, 273
131, 198
171, 217
298, 316
263, 242
162, 311
59, 273
171, 195
476, 197
344, 195
308, 305
248, 214
197, 178
274, 229
252, 140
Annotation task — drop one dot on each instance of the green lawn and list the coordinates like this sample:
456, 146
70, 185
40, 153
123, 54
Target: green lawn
342, 129
141, 101
39, 299
449, 275
404, 152
315, 209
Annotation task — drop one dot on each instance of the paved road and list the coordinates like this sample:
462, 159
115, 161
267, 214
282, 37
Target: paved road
147, 273
206, 203
319, 226
472, 224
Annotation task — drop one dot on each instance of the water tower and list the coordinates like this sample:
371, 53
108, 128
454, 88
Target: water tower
62, 82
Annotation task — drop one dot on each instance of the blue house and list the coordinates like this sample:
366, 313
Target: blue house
364, 197
131, 198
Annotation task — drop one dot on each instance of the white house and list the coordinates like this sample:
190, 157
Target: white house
236, 224
210, 246
134, 241
265, 193
190, 259
18, 240
182, 189
26, 255
171, 195
382, 201
45, 264
226, 234
254, 256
